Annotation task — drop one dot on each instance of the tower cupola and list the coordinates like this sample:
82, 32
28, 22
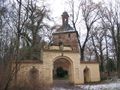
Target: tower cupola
65, 17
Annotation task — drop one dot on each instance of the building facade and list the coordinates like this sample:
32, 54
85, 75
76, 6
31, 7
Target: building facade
61, 59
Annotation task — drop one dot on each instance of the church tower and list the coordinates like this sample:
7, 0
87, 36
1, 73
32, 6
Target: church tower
65, 17
62, 55
66, 35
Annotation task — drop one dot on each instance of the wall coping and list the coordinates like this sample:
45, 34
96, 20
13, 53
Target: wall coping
29, 61
89, 62
70, 51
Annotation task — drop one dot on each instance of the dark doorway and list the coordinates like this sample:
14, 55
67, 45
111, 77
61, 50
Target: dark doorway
61, 73
61, 69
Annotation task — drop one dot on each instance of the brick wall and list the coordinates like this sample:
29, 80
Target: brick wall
68, 39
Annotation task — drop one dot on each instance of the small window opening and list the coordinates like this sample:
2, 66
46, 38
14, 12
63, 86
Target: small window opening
69, 35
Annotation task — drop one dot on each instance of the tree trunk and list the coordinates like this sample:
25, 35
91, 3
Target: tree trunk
118, 60
82, 54
101, 66
18, 40
118, 65
96, 53
101, 58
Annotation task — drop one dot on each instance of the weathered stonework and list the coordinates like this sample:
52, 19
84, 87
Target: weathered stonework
78, 72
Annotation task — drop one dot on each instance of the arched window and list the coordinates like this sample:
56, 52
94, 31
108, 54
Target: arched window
86, 75
34, 75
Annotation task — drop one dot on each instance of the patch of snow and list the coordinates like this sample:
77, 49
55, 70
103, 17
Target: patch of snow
61, 89
114, 85
108, 86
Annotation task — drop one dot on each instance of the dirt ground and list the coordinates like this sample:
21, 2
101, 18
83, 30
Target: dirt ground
64, 85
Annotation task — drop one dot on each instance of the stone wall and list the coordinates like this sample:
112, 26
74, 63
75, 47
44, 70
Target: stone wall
45, 69
94, 71
24, 74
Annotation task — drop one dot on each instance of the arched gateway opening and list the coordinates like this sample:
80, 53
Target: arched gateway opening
62, 69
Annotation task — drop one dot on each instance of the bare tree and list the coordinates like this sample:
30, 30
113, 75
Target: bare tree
6, 49
35, 26
19, 15
89, 13
97, 37
110, 18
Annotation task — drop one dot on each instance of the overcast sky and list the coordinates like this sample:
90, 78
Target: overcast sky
59, 6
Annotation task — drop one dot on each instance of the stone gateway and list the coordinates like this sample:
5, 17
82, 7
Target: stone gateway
61, 60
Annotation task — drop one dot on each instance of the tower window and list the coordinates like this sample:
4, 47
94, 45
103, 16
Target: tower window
69, 35
59, 36
65, 19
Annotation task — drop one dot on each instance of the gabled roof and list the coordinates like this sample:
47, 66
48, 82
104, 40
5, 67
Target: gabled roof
65, 28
